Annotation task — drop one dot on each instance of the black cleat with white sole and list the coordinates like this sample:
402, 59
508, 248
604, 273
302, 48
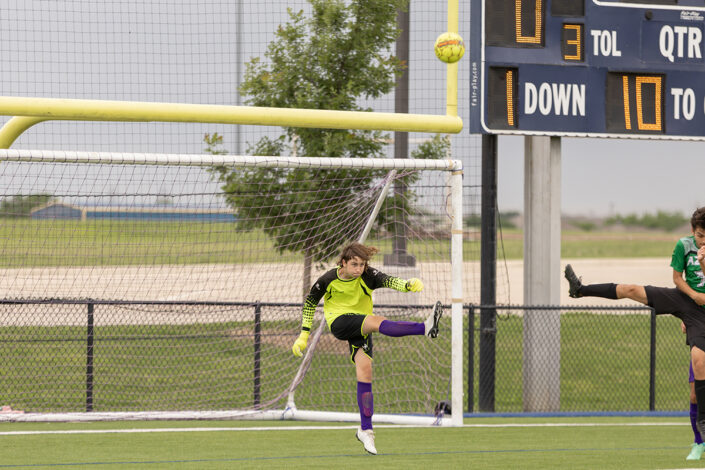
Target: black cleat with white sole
574, 282
432, 321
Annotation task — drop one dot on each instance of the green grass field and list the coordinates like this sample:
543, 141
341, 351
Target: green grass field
589, 375
127, 242
498, 443
578, 244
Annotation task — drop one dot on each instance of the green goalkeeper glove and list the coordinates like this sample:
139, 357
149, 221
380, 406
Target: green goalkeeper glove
300, 344
414, 285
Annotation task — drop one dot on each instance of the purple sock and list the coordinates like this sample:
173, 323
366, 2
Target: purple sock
365, 403
693, 419
401, 328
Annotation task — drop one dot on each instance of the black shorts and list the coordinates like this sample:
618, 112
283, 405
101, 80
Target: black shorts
348, 327
667, 300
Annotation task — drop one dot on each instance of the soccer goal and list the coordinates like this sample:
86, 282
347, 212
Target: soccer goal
162, 286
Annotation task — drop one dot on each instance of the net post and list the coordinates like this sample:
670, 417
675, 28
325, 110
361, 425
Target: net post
471, 358
457, 296
89, 358
652, 363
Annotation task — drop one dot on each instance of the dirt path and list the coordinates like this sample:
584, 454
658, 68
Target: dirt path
642, 271
282, 283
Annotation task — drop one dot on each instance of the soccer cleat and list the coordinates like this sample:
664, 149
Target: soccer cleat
696, 451
367, 437
431, 323
573, 281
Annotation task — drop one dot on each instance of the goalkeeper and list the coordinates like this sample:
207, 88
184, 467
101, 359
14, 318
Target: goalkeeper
347, 305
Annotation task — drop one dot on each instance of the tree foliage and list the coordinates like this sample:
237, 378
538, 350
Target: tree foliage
662, 220
334, 58
21, 206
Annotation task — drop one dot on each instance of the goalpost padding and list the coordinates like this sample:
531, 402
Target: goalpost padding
194, 263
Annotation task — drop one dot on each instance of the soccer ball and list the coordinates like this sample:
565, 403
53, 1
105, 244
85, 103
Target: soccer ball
449, 47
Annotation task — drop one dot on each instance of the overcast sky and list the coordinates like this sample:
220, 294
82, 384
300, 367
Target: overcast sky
608, 176
146, 51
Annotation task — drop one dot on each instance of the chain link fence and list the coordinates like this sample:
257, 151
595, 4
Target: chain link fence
119, 356
612, 359
82, 356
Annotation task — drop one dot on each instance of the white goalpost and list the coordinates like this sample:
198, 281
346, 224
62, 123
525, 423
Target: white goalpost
170, 286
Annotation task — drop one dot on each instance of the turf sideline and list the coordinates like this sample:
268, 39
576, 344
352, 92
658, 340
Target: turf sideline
309, 428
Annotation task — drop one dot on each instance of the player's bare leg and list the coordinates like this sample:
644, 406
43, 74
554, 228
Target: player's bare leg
632, 291
371, 324
697, 355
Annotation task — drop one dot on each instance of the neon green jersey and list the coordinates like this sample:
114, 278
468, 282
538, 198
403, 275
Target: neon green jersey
341, 296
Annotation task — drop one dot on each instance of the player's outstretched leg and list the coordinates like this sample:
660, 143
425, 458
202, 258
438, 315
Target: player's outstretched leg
574, 282
367, 437
605, 290
405, 328
431, 323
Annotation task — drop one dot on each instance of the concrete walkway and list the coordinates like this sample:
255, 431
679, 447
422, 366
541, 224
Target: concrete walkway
642, 271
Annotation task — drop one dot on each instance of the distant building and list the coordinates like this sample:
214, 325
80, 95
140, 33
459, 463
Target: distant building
58, 210
65, 211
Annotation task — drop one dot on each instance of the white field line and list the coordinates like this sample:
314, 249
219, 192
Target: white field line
309, 428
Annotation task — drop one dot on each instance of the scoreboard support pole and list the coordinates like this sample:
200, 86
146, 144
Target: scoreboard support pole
542, 259
488, 275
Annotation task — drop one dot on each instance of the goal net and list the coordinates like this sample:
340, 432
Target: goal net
164, 286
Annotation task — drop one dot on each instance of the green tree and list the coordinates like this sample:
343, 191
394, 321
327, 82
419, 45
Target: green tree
21, 206
332, 59
662, 220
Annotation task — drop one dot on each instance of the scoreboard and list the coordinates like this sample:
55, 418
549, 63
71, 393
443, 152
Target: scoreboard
597, 68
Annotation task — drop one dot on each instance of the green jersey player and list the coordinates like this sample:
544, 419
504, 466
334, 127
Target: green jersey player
688, 278
685, 302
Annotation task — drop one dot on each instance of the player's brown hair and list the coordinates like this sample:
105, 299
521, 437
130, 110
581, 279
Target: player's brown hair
354, 249
698, 219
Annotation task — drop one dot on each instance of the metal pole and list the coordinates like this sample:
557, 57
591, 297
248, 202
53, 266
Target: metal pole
89, 359
258, 351
652, 363
238, 71
488, 273
399, 256
471, 358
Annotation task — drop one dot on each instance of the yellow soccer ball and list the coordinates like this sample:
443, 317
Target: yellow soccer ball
449, 47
